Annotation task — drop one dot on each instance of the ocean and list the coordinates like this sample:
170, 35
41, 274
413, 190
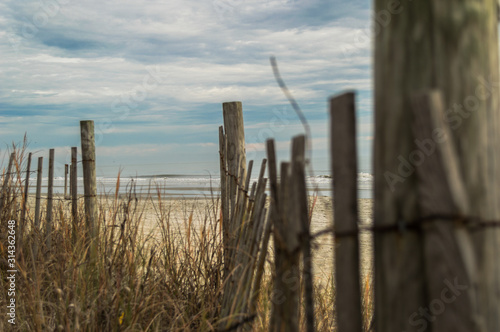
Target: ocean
190, 186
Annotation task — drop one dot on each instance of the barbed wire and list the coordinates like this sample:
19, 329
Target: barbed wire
417, 225
61, 199
235, 178
20, 172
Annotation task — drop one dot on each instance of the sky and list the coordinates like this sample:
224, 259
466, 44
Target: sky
153, 76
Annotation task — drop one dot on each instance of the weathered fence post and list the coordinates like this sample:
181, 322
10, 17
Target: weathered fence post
66, 181
442, 193
6, 181
89, 179
38, 197
224, 198
299, 202
345, 206
74, 191
274, 214
233, 161
235, 145
50, 190
70, 179
452, 47
285, 296
241, 288
25, 201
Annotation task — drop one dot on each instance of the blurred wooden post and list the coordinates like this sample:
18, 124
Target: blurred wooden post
74, 191
287, 241
25, 201
285, 295
345, 199
66, 181
6, 182
235, 145
89, 178
39, 176
50, 190
452, 47
442, 193
273, 217
299, 219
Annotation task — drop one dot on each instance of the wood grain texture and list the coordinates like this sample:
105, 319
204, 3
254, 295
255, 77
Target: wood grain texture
89, 177
224, 198
235, 144
451, 46
447, 244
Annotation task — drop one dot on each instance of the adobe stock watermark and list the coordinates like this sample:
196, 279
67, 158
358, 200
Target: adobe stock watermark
380, 20
280, 119
121, 108
229, 10
449, 294
47, 10
127, 102
254, 143
454, 116
223, 8
11, 271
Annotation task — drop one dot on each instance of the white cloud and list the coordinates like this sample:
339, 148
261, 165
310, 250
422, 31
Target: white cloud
87, 55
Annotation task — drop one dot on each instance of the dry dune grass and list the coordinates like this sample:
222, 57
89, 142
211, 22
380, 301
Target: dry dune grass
158, 267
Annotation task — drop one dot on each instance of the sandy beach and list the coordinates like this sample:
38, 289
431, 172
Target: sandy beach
181, 210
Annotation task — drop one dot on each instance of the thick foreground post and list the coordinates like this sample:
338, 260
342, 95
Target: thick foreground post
452, 47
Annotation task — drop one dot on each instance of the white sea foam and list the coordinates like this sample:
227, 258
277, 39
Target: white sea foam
193, 184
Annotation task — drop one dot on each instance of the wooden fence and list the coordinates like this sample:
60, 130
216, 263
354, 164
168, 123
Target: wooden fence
45, 231
251, 218
288, 222
444, 231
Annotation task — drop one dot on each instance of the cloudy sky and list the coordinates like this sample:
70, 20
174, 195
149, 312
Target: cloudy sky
153, 74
